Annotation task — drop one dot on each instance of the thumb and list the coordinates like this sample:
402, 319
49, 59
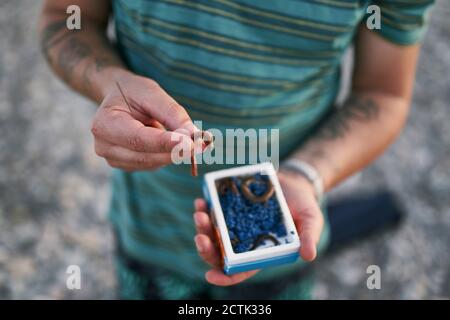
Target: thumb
309, 222
169, 113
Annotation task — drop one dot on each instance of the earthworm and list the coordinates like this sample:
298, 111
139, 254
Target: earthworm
209, 141
245, 186
227, 184
194, 170
234, 241
258, 241
262, 238
205, 144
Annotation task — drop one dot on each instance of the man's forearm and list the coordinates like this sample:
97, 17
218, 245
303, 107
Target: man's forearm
354, 135
83, 58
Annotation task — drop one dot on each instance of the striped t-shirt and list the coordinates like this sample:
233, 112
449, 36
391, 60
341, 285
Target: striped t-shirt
233, 64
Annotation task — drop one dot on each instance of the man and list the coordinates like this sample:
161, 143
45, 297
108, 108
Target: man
245, 64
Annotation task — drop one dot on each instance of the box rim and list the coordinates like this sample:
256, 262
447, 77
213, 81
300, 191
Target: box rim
249, 256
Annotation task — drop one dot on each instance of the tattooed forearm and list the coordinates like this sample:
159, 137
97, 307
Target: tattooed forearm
336, 148
78, 55
71, 51
83, 57
338, 124
51, 35
71, 54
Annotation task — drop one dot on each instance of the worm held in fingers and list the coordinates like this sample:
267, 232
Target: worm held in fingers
205, 144
194, 170
208, 142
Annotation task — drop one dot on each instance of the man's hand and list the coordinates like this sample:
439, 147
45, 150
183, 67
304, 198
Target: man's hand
136, 138
305, 211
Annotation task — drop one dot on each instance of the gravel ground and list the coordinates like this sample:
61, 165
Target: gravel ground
54, 190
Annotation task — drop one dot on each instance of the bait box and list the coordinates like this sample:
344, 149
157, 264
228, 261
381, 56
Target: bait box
285, 252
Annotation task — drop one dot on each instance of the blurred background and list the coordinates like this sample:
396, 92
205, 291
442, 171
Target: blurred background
54, 190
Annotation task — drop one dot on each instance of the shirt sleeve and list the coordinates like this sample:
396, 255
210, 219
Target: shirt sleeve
403, 22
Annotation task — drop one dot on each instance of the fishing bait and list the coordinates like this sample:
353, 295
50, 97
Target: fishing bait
204, 134
251, 196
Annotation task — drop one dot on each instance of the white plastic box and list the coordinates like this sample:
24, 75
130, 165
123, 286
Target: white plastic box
265, 255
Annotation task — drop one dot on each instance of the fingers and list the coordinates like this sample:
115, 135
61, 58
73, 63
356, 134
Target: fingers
203, 224
119, 128
218, 278
167, 111
119, 157
308, 249
306, 213
309, 222
200, 205
155, 161
207, 250
156, 124
210, 254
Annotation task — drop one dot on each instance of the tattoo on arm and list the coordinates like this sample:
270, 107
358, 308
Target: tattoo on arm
357, 108
71, 54
72, 51
52, 35
336, 126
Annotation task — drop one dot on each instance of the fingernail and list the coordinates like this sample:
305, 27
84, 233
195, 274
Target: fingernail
199, 245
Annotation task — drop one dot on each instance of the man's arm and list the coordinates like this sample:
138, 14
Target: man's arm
83, 58
355, 134
348, 140
128, 138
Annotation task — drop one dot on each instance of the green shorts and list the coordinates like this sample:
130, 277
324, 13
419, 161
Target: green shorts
138, 281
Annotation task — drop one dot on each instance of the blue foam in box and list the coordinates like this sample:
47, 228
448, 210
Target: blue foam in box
253, 225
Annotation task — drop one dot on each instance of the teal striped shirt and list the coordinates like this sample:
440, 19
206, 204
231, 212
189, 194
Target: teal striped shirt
233, 64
